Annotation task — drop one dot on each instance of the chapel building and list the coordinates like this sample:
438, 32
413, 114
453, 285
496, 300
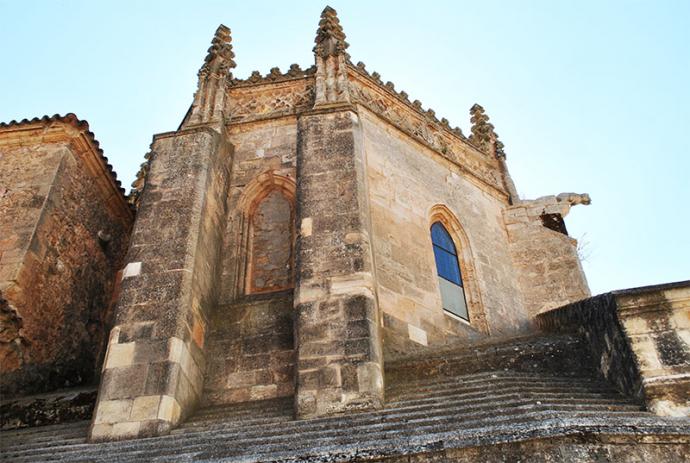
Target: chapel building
312, 250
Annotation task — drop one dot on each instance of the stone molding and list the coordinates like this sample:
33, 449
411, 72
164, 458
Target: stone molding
425, 128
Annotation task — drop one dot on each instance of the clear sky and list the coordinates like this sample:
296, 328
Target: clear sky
588, 96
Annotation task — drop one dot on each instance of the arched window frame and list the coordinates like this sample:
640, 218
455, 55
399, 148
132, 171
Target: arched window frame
253, 194
475, 307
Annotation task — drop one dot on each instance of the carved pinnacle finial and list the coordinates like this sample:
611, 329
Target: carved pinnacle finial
220, 55
209, 99
483, 135
330, 38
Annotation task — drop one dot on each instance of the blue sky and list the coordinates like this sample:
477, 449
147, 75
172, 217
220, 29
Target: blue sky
588, 96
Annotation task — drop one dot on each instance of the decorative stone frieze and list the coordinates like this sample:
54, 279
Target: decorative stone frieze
426, 129
261, 101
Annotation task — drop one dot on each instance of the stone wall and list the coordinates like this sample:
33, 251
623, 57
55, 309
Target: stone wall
640, 339
250, 350
656, 320
596, 320
547, 264
63, 240
406, 181
26, 176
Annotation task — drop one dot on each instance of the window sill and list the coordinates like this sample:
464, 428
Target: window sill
456, 317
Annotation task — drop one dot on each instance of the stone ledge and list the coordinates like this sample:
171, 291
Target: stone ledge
44, 409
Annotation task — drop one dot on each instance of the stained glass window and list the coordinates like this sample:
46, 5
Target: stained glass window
448, 270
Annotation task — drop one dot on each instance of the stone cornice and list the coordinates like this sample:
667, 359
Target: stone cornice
279, 94
423, 126
70, 130
653, 298
389, 88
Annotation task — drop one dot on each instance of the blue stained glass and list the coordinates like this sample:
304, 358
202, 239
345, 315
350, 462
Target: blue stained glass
441, 238
447, 266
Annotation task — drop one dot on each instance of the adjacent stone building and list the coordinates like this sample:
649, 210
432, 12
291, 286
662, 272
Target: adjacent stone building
312, 244
64, 227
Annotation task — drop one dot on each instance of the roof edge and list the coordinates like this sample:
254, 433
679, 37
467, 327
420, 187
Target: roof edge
81, 125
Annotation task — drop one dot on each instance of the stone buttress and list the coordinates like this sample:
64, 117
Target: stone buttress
153, 373
339, 352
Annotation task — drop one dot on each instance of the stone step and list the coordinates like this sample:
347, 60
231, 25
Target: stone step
458, 388
371, 449
485, 409
306, 429
533, 389
161, 452
49, 430
489, 375
240, 443
477, 395
433, 393
215, 413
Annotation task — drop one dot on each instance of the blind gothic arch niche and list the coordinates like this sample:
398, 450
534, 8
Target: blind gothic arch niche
266, 262
445, 220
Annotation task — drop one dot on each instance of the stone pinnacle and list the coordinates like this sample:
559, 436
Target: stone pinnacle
330, 38
220, 55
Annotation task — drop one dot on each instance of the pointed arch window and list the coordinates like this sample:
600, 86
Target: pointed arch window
270, 246
448, 271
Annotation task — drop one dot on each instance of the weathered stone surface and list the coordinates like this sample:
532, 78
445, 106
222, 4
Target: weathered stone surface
546, 262
251, 350
641, 340
554, 411
39, 410
407, 183
163, 307
64, 227
271, 258
335, 282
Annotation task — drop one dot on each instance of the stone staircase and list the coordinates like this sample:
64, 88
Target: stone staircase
481, 396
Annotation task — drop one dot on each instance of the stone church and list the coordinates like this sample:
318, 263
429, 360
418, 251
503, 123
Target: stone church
313, 267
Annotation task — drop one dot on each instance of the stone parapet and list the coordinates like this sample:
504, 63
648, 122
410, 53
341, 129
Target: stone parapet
657, 323
640, 340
